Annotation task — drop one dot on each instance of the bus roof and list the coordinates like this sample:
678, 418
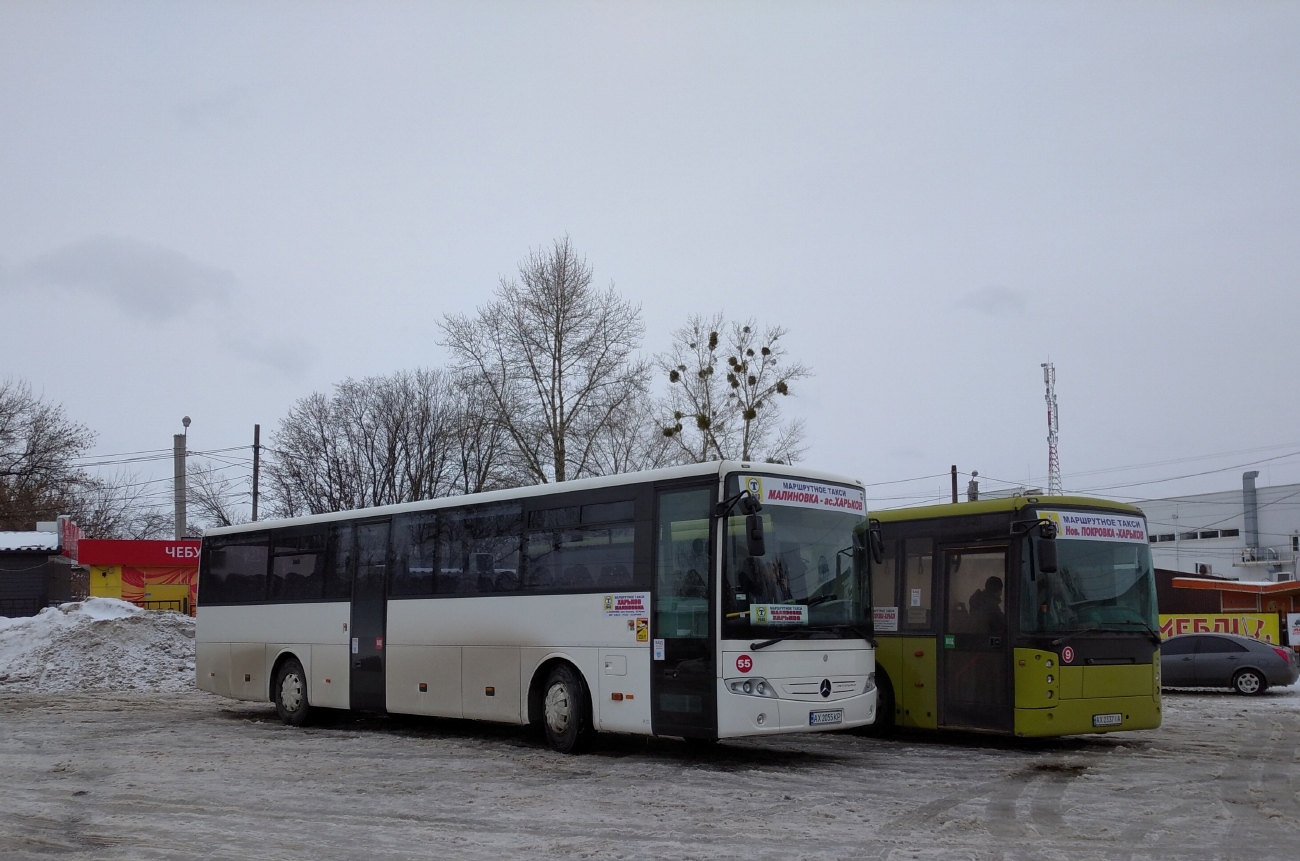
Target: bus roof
717, 467
1008, 504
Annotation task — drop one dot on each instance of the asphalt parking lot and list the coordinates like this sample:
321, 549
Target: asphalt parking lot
187, 775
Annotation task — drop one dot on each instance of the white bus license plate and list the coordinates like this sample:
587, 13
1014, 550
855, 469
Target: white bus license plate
1107, 720
823, 718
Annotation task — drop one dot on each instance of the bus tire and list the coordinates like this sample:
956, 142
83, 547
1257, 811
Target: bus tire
1249, 682
566, 714
290, 692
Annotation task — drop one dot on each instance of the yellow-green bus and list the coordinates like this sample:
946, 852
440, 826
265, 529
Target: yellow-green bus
1027, 616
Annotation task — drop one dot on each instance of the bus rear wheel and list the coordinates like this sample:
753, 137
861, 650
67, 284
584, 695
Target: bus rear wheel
291, 693
566, 717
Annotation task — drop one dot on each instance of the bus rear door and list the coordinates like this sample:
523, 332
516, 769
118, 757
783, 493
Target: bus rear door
369, 617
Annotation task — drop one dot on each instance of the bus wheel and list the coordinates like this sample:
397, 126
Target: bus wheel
565, 717
1248, 682
291, 693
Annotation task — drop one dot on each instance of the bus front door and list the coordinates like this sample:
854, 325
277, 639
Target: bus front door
369, 615
683, 676
975, 649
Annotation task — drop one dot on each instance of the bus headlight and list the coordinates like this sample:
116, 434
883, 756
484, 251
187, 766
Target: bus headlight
871, 683
755, 687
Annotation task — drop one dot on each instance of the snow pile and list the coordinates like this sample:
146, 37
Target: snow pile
100, 644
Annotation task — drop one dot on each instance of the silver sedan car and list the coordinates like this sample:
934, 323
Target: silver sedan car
1225, 661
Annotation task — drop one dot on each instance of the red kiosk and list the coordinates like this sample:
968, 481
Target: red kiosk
155, 575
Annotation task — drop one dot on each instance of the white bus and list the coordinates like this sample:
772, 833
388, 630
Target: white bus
704, 602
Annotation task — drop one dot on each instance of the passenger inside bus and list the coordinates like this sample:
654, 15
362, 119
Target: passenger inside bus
986, 607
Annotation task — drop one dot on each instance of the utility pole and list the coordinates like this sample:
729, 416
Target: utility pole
1053, 427
178, 476
954, 482
257, 461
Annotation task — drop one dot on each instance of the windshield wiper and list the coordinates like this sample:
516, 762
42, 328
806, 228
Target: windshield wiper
1073, 634
796, 635
814, 634
1151, 632
1097, 629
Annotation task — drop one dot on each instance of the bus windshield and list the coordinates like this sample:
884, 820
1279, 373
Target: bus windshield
812, 576
1100, 584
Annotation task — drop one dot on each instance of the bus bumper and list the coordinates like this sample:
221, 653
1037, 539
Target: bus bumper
749, 716
1090, 715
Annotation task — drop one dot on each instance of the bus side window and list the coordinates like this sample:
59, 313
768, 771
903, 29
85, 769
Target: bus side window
338, 564
917, 577
884, 587
414, 554
297, 566
480, 550
237, 570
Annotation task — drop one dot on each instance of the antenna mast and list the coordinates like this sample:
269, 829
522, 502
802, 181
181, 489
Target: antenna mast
1053, 427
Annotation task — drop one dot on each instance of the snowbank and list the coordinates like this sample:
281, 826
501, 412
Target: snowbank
100, 644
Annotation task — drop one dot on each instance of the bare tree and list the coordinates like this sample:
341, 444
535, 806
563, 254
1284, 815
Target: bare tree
121, 505
484, 454
557, 359
375, 441
633, 440
213, 498
724, 381
39, 446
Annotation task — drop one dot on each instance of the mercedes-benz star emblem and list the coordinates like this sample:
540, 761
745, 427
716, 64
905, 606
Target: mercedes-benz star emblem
826, 687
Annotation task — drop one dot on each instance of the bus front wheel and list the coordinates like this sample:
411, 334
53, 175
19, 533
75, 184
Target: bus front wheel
566, 718
291, 693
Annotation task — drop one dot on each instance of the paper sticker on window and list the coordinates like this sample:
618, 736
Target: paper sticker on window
886, 618
643, 630
1097, 526
803, 493
632, 604
778, 614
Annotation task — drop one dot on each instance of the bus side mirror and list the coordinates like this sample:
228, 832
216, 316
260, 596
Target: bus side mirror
877, 544
754, 535
1047, 555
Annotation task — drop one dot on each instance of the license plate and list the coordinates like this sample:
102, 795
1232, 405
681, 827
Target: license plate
823, 718
1107, 720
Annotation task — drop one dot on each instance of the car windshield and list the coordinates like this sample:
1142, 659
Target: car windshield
1103, 581
811, 578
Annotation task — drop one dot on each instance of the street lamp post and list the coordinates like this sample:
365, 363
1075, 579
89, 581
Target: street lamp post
178, 476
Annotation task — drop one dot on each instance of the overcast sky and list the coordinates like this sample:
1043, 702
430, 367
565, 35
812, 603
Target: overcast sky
215, 209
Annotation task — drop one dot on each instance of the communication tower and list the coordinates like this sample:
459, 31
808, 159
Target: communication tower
1053, 427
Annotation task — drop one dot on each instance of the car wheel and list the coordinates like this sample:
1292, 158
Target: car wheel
1249, 682
291, 693
566, 717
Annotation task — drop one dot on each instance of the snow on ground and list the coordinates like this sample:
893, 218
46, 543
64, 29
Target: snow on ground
108, 751
100, 644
